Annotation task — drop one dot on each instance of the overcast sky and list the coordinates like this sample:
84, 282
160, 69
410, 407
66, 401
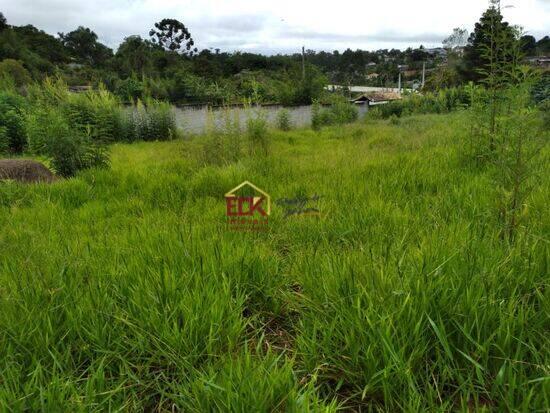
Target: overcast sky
270, 26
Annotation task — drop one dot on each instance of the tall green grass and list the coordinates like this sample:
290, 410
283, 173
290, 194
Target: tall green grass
73, 130
122, 289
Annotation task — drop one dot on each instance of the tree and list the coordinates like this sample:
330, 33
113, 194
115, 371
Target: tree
457, 40
83, 44
14, 69
3, 22
486, 44
172, 35
136, 55
528, 45
543, 45
41, 43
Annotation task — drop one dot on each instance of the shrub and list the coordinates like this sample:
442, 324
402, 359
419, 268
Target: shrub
257, 131
223, 141
283, 120
149, 122
344, 112
4, 141
129, 89
394, 120
545, 112
51, 134
12, 122
10, 68
443, 101
96, 113
339, 113
162, 121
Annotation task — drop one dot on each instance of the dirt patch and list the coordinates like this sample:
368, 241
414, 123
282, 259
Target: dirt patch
25, 170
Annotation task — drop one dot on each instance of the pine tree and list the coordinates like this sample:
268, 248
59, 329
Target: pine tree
485, 45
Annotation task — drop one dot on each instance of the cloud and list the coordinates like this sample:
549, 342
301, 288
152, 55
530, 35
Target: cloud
282, 26
384, 37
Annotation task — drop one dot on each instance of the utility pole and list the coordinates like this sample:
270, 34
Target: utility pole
303, 63
399, 84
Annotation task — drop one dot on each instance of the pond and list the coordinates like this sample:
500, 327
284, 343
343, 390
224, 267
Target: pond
194, 119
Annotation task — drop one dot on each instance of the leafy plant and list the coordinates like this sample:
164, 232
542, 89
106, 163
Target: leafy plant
12, 122
257, 131
283, 120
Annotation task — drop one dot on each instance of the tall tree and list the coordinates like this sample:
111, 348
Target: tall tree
528, 45
486, 44
136, 55
3, 22
457, 40
173, 36
543, 45
83, 44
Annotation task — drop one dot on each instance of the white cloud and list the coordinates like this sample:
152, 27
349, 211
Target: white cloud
284, 25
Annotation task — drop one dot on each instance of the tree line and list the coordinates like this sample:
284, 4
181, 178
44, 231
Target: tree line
168, 65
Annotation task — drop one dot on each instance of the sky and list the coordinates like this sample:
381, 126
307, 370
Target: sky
281, 26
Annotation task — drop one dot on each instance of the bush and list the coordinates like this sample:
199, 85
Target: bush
13, 138
13, 69
129, 89
338, 113
96, 113
70, 149
149, 121
344, 112
394, 120
545, 112
283, 120
443, 101
223, 141
257, 131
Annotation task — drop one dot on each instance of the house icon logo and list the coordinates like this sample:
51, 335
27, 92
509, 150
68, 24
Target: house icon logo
247, 207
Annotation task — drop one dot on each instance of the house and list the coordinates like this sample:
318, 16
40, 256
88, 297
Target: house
541, 61
437, 52
376, 98
372, 76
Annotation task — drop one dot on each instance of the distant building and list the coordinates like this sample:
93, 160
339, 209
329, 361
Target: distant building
541, 61
75, 65
79, 89
372, 76
376, 98
437, 52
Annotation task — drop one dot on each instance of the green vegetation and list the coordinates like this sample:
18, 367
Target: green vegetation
420, 285
123, 289
169, 66
73, 130
284, 122
443, 101
338, 112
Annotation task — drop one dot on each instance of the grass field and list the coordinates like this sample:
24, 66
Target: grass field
123, 289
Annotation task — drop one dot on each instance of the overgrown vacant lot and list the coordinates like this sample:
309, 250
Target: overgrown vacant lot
122, 289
